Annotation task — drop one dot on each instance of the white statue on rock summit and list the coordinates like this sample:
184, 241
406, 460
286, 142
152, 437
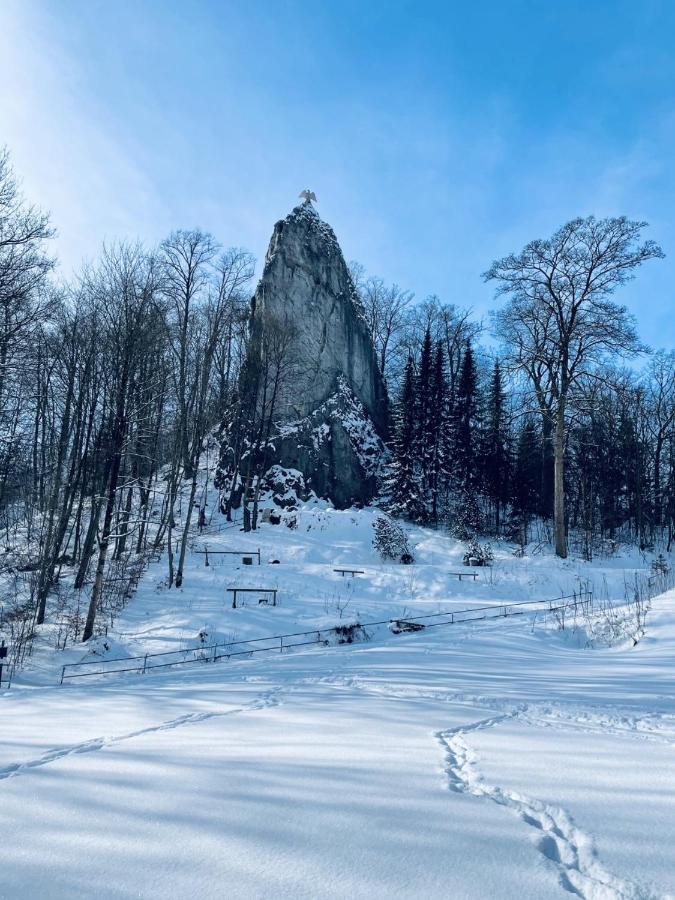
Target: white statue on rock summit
308, 195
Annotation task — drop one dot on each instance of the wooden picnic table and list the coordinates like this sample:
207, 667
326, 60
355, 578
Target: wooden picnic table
352, 572
461, 575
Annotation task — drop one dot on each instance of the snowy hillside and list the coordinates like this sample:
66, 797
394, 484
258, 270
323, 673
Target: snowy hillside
307, 559
501, 758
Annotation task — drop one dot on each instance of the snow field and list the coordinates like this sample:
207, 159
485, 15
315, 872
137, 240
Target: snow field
497, 759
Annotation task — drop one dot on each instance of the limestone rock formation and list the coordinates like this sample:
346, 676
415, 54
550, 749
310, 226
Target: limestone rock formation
330, 413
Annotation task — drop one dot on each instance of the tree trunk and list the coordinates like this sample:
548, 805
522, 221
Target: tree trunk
123, 526
89, 540
103, 546
51, 547
186, 527
115, 463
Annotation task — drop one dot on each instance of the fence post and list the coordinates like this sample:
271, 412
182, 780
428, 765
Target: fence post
215, 648
145, 663
281, 643
206, 555
63, 672
258, 555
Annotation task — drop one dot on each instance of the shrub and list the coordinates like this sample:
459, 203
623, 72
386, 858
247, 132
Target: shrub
350, 634
391, 541
477, 555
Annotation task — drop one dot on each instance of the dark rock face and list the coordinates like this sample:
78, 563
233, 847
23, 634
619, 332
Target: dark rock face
331, 413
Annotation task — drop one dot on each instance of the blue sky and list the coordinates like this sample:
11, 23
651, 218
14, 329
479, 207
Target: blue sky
436, 136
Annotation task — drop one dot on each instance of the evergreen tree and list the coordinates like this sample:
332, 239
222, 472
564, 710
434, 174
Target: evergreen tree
496, 459
526, 477
466, 515
424, 432
635, 476
403, 482
584, 471
466, 421
438, 431
546, 471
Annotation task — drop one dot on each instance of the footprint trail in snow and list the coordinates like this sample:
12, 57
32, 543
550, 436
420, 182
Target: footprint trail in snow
265, 700
563, 844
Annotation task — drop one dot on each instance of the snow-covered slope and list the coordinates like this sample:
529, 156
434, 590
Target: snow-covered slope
312, 595
491, 760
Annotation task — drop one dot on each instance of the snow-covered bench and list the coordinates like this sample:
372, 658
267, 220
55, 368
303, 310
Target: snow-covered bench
252, 590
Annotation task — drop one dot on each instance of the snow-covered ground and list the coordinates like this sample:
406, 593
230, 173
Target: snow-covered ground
498, 759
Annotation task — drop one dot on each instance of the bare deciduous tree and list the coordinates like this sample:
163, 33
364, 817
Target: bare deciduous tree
560, 318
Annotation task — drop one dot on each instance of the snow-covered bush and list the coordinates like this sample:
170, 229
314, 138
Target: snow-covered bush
350, 634
478, 555
391, 541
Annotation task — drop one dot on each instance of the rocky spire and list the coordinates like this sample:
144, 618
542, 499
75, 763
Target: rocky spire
332, 409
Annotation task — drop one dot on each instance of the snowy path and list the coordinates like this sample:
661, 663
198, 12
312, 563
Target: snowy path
326, 775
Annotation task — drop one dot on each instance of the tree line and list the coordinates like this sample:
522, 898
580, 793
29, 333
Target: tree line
114, 382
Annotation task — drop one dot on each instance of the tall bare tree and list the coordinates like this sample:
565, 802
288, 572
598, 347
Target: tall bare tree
387, 309
125, 286
560, 318
232, 273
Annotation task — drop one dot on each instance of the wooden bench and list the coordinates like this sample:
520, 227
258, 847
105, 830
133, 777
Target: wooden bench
352, 572
252, 590
461, 575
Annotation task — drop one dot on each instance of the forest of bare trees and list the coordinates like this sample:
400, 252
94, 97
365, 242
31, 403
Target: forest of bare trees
109, 384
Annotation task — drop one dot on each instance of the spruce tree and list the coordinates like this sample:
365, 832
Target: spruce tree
465, 462
402, 482
526, 477
424, 432
466, 419
438, 431
496, 458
